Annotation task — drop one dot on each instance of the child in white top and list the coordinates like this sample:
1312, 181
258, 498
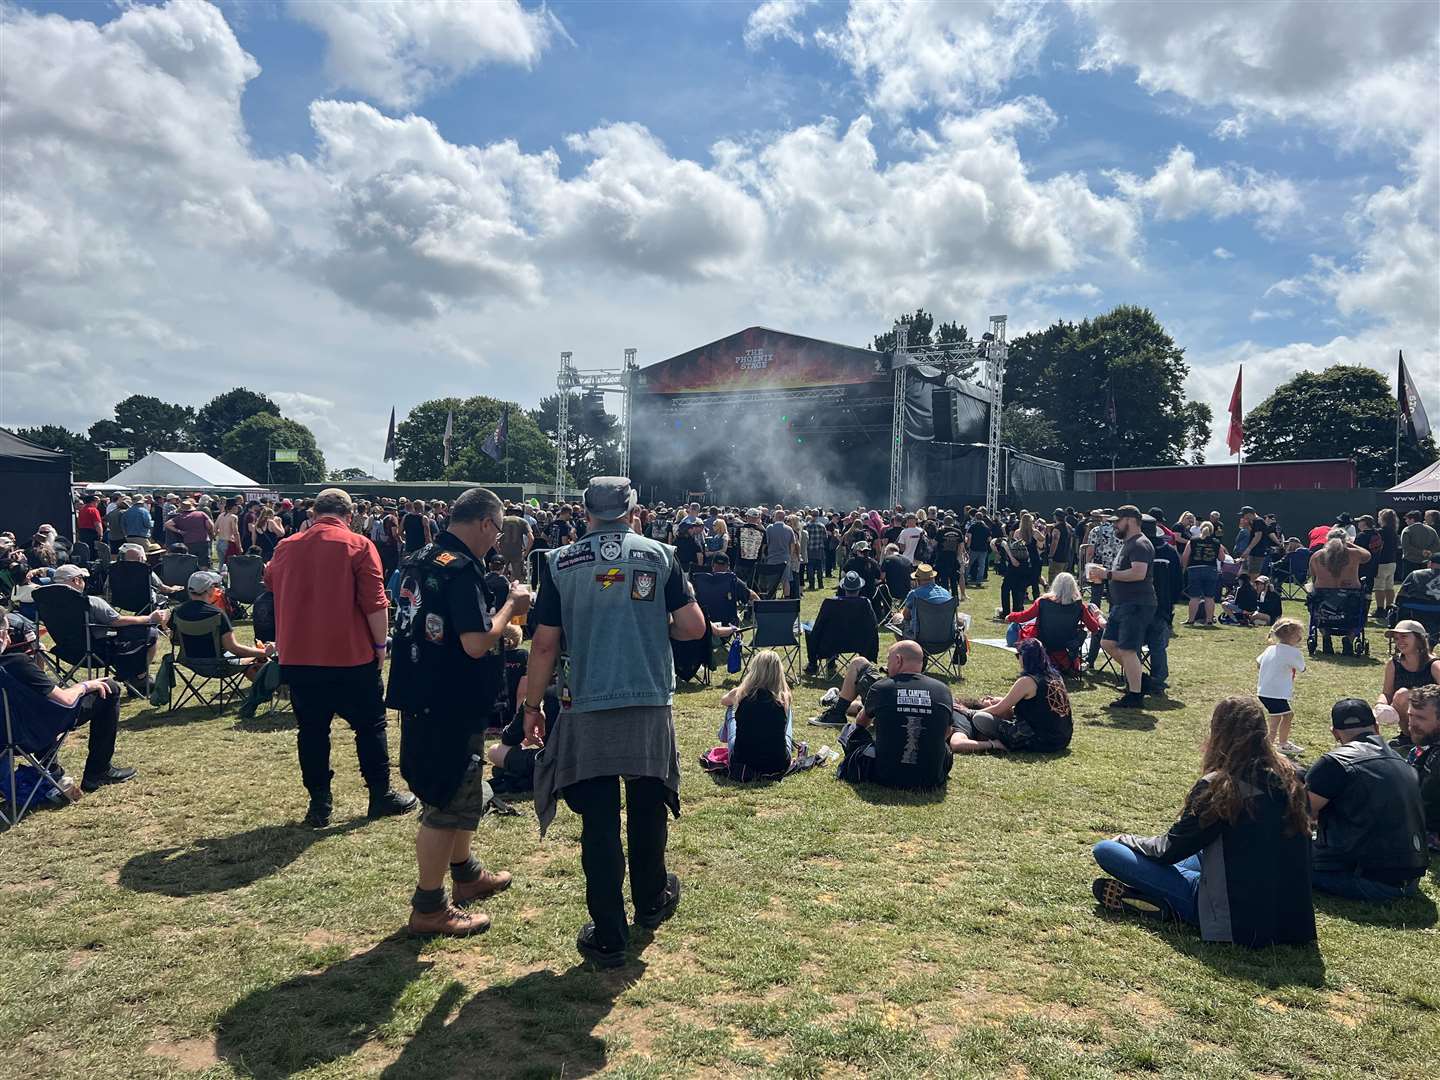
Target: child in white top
1279, 664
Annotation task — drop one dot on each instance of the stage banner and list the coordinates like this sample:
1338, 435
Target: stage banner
762, 359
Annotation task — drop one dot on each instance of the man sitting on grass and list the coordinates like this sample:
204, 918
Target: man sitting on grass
900, 739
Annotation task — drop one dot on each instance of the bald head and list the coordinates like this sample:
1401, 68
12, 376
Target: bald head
905, 657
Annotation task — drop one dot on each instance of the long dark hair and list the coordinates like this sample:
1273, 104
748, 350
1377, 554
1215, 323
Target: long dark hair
1240, 759
1035, 661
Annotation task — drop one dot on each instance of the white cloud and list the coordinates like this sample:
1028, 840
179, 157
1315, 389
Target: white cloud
911, 55
775, 19
397, 52
1223, 254
1082, 290
1178, 190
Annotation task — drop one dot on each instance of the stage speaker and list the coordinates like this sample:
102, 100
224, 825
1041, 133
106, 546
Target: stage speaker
943, 404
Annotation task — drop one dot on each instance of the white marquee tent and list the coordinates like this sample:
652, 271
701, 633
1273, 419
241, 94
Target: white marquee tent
180, 473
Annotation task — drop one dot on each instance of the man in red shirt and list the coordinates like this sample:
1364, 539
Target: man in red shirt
331, 627
88, 522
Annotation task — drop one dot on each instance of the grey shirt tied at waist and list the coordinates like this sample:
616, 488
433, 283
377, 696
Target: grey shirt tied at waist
638, 741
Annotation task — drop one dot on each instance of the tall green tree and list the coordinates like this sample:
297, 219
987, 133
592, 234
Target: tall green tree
343, 476
529, 455
923, 331
247, 446
146, 423
87, 461
1026, 430
1345, 411
226, 411
594, 446
1067, 372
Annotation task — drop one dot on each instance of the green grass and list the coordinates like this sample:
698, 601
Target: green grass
183, 924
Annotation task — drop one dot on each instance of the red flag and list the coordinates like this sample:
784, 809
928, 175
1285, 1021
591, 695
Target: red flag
1237, 432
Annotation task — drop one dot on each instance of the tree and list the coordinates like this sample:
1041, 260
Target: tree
1067, 372
227, 411
1026, 430
87, 461
529, 455
924, 332
1345, 411
247, 447
347, 475
146, 423
594, 447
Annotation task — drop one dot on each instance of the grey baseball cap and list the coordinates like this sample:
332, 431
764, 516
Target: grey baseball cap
609, 497
202, 581
68, 572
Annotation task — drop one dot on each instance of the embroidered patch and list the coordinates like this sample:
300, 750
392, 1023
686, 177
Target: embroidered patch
644, 556
434, 627
610, 577
578, 557
642, 586
445, 558
610, 550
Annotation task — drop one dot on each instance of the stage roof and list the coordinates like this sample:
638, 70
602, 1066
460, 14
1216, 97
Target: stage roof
1424, 482
759, 358
180, 472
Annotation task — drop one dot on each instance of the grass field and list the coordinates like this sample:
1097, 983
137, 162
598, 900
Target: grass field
185, 924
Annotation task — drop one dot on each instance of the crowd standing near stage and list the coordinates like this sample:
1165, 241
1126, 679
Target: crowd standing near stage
616, 597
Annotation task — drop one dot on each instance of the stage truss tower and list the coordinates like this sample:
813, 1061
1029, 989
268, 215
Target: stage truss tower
952, 358
618, 381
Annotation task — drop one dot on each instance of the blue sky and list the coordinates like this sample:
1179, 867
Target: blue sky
483, 185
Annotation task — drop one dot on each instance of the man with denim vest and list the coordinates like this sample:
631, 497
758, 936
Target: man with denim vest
617, 598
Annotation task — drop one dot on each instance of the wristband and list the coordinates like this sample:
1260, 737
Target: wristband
531, 708
380, 646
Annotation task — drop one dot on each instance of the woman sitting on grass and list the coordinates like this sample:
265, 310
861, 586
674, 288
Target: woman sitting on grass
1237, 863
758, 720
1033, 717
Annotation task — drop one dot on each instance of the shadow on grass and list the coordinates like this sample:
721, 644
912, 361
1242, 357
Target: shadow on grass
541, 1024
878, 795
161, 716
217, 864
1271, 967
1412, 913
1125, 719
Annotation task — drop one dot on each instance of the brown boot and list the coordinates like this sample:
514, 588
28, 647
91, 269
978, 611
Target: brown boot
450, 921
483, 887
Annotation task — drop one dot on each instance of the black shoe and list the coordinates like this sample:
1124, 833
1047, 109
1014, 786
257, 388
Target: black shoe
1115, 895
318, 816
1150, 686
109, 776
812, 669
832, 717
591, 950
1128, 700
652, 919
390, 803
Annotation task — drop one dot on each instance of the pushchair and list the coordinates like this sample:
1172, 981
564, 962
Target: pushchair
1338, 613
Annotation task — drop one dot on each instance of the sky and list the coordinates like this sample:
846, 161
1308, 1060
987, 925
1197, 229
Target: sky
357, 205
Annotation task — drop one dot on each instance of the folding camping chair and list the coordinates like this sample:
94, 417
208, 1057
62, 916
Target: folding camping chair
942, 642
193, 674
65, 614
1297, 570
694, 659
775, 629
80, 553
130, 588
247, 578
175, 569
854, 636
35, 730
767, 579
1426, 614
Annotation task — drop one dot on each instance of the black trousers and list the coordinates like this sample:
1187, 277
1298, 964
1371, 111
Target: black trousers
947, 572
103, 717
1012, 590
597, 801
356, 694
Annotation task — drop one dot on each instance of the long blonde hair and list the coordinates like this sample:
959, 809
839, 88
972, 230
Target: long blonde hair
766, 672
1026, 531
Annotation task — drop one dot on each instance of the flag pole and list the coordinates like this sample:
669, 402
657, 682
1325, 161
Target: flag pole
1399, 397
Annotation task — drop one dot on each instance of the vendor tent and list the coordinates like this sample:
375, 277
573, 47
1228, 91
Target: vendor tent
1421, 491
181, 473
36, 486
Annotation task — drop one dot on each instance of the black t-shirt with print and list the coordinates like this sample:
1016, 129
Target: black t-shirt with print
911, 717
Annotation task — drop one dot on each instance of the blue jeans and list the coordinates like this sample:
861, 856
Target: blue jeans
1158, 638
1354, 887
1177, 885
975, 568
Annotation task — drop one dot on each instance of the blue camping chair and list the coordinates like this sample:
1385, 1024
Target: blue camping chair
35, 730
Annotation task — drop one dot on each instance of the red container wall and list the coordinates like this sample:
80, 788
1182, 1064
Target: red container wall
1260, 476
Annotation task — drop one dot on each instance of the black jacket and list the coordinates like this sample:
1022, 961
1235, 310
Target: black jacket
1254, 877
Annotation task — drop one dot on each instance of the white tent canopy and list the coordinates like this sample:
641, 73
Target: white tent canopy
1424, 482
180, 473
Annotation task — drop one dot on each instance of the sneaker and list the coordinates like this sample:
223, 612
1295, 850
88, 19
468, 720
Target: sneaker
482, 888
1150, 686
1128, 700
390, 803
449, 921
812, 669
830, 697
1289, 749
109, 776
832, 717
1115, 895
591, 949
652, 919
318, 816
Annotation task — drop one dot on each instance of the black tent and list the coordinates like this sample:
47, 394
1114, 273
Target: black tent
36, 486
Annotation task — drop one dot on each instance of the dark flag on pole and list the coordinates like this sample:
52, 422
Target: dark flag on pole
390, 453
494, 446
1411, 407
1110, 421
1235, 438
449, 435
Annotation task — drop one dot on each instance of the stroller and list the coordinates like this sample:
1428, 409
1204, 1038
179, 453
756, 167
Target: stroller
1338, 613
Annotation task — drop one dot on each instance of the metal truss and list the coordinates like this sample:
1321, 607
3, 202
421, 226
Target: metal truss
570, 379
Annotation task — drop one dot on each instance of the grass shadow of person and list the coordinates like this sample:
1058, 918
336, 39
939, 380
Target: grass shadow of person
218, 864
1125, 719
160, 716
319, 1017
879, 795
1267, 968
1412, 913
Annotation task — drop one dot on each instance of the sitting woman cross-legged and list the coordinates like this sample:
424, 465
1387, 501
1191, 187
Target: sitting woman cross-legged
1033, 717
758, 722
1237, 863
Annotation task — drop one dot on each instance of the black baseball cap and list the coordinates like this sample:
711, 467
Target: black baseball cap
1351, 713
